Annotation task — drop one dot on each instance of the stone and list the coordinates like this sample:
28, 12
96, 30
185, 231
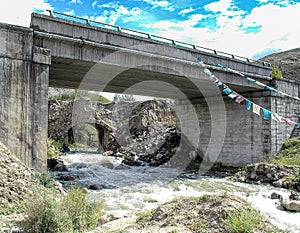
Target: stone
275, 196
277, 183
290, 205
60, 168
108, 153
108, 165
96, 187
66, 178
294, 196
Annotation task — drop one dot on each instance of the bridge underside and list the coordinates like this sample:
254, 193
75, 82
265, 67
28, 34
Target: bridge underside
78, 74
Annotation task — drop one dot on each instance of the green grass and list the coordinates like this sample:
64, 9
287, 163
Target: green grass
144, 218
45, 179
289, 154
242, 221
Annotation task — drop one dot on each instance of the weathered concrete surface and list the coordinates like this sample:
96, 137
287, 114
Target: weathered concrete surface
23, 95
102, 59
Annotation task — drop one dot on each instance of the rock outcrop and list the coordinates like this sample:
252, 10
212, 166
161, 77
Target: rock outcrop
287, 61
279, 176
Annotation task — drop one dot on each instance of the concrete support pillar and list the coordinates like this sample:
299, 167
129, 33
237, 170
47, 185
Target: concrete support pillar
39, 99
24, 76
232, 136
286, 107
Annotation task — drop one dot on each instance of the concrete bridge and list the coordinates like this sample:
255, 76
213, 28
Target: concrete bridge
59, 52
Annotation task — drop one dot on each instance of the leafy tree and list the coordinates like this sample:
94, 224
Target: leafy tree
276, 72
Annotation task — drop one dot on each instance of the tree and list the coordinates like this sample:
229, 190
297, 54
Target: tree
276, 72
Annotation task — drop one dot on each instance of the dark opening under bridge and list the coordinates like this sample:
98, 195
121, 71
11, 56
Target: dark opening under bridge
64, 53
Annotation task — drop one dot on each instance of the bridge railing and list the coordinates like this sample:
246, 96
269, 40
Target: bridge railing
153, 37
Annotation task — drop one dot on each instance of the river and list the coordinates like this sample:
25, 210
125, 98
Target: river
126, 189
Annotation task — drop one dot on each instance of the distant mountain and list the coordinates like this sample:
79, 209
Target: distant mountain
287, 61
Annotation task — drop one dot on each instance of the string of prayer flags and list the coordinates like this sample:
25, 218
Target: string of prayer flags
239, 99
266, 87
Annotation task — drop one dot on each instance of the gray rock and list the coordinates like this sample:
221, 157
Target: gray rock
275, 196
290, 205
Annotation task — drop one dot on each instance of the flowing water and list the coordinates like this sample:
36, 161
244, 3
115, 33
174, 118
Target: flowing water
126, 189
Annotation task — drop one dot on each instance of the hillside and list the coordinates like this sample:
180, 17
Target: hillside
287, 61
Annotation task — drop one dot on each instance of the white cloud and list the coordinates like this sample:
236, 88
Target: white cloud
94, 4
70, 12
76, 2
162, 4
277, 28
186, 11
18, 11
112, 12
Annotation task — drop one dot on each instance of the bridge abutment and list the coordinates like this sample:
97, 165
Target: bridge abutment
24, 81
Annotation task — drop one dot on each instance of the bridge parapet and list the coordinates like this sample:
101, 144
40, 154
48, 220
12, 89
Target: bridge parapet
117, 37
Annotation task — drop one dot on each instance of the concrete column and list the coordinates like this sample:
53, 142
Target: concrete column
39, 102
24, 74
285, 107
246, 136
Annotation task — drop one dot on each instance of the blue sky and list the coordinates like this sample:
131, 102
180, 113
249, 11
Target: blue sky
250, 28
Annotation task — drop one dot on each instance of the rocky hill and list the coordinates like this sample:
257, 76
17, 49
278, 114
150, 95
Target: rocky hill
287, 61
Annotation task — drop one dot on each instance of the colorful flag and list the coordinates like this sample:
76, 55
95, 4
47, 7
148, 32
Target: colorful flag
250, 79
256, 109
267, 113
233, 95
289, 121
248, 104
227, 90
276, 117
239, 99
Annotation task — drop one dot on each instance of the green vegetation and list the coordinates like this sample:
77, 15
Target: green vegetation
276, 72
230, 214
15, 208
123, 97
52, 213
144, 218
289, 154
81, 94
45, 179
84, 135
53, 148
243, 220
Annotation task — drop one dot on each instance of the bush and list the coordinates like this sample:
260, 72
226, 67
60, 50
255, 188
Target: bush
83, 215
243, 221
276, 72
45, 179
53, 148
45, 214
52, 213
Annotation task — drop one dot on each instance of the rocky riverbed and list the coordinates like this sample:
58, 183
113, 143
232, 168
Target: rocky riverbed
127, 190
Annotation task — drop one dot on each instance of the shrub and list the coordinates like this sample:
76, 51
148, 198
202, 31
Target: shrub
83, 215
45, 179
46, 215
53, 148
52, 213
276, 72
